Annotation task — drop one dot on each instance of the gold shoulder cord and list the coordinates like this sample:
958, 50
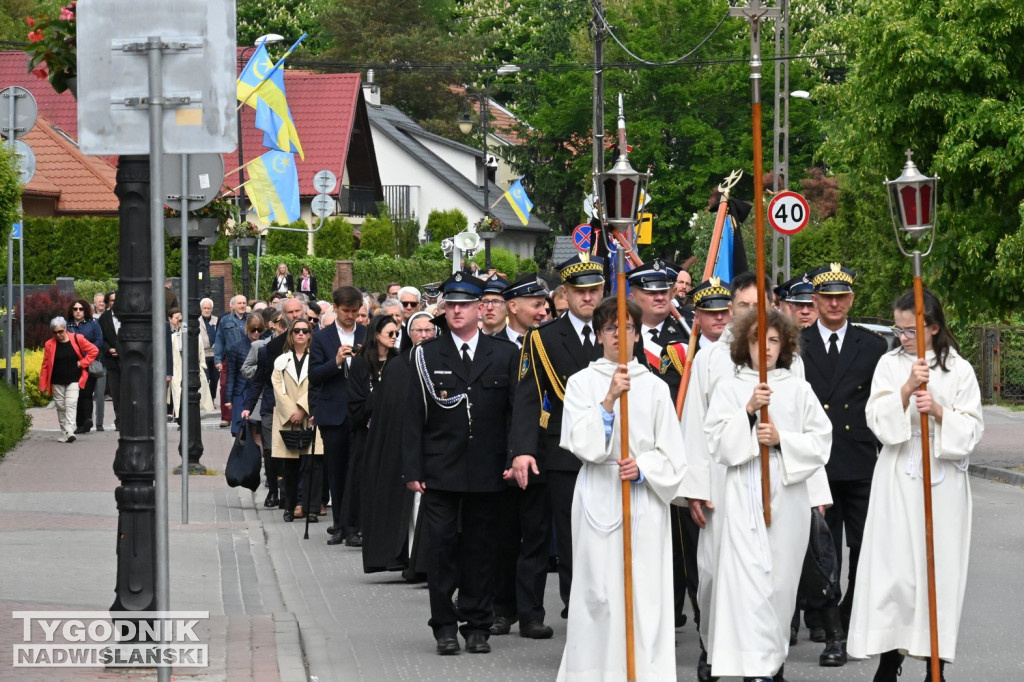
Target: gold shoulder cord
556, 385
673, 356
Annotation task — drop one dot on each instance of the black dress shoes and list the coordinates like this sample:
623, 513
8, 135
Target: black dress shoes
535, 630
704, 668
271, 500
289, 517
337, 539
355, 540
565, 613
331, 530
448, 645
793, 638
83, 429
476, 643
817, 634
502, 625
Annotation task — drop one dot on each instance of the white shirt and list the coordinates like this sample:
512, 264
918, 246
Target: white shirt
826, 333
577, 324
472, 344
347, 339
514, 336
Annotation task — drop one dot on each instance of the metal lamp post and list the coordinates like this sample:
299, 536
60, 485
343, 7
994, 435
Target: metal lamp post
912, 206
466, 126
243, 251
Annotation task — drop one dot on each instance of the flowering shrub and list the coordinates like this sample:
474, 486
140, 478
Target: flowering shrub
242, 229
52, 49
488, 224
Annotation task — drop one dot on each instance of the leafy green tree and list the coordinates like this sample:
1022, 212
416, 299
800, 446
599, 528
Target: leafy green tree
942, 78
288, 18
10, 193
13, 13
378, 236
336, 239
288, 241
443, 225
502, 260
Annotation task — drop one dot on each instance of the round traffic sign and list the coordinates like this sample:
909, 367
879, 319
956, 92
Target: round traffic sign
323, 205
26, 161
581, 237
25, 112
788, 212
325, 181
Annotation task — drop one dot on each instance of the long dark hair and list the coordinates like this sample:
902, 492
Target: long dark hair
86, 306
943, 339
370, 348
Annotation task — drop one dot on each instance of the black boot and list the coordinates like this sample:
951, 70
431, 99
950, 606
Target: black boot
889, 667
834, 654
928, 669
778, 677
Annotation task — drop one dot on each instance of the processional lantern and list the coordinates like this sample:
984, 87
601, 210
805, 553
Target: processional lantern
912, 198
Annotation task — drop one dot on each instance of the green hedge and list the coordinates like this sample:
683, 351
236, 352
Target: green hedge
88, 288
14, 421
378, 235
444, 224
335, 240
374, 274
322, 268
287, 241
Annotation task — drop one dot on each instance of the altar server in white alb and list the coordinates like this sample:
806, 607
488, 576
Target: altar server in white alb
595, 647
758, 569
890, 608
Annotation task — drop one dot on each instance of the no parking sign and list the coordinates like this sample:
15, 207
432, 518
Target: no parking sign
581, 237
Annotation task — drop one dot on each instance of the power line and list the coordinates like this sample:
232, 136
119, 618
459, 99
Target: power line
608, 28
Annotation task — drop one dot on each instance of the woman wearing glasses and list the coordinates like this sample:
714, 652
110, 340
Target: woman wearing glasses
364, 377
235, 385
80, 322
890, 606
66, 360
292, 410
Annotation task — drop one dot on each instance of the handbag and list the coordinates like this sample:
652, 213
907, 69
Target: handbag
244, 460
296, 438
97, 369
819, 580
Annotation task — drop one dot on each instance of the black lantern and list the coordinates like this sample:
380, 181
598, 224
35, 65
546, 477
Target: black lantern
621, 188
912, 199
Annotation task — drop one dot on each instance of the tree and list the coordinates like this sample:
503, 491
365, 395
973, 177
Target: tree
12, 17
378, 236
443, 225
10, 193
942, 78
288, 18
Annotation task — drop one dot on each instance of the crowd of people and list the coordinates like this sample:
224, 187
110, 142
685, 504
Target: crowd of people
470, 435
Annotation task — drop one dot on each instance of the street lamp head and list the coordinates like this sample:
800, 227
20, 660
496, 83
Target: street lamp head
620, 193
466, 124
912, 203
269, 39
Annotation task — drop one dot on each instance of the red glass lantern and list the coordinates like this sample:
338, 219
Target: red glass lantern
912, 199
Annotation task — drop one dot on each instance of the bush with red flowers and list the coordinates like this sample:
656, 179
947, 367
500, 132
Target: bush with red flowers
52, 50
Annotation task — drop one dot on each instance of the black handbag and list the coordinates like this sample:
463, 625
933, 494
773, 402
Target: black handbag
296, 438
244, 461
819, 580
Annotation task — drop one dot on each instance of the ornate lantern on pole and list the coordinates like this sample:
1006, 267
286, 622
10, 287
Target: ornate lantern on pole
912, 200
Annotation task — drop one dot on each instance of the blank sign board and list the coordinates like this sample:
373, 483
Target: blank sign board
198, 70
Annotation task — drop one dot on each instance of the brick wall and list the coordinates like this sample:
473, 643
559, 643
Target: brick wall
222, 268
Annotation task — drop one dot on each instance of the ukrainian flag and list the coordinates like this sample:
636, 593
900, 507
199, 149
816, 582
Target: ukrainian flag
261, 86
273, 187
519, 202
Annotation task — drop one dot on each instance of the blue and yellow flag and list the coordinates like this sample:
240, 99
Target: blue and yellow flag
261, 86
273, 187
519, 202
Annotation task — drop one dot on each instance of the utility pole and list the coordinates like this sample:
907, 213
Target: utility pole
597, 27
780, 162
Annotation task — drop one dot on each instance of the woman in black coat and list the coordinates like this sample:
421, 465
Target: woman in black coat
364, 376
307, 283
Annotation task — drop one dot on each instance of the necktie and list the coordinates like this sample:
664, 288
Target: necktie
466, 360
588, 345
833, 349
654, 335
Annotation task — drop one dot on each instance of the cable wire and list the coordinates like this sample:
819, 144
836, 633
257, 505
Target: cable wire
608, 28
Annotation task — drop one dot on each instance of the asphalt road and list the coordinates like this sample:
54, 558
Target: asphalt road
374, 627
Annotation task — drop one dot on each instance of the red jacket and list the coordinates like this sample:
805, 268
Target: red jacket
78, 344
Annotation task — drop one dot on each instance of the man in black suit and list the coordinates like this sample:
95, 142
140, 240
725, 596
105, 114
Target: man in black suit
839, 363
110, 326
455, 443
664, 339
329, 360
551, 354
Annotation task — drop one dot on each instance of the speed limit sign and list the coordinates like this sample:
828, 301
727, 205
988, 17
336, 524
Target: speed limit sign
788, 212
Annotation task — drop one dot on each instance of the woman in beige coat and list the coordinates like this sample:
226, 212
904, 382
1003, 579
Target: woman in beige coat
291, 390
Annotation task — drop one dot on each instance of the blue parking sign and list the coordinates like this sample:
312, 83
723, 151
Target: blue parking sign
16, 231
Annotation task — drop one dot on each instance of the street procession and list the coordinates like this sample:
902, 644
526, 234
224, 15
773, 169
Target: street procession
579, 342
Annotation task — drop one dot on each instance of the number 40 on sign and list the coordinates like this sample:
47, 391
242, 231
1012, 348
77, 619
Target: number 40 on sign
788, 212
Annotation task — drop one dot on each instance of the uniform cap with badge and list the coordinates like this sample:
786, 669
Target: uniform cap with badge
796, 290
582, 270
495, 284
832, 280
462, 287
711, 295
526, 285
655, 275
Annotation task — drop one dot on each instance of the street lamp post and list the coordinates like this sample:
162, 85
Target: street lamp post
243, 251
466, 126
912, 201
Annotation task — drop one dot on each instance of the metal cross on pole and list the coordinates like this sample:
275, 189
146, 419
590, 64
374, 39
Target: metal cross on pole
755, 13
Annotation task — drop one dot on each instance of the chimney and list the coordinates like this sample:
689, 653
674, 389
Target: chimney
371, 90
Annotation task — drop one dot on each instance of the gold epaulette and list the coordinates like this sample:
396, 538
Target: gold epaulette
673, 356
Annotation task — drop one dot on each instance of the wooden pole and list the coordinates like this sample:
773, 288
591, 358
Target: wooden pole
926, 477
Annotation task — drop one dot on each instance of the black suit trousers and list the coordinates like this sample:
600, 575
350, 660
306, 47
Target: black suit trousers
685, 534
561, 487
114, 389
849, 510
336, 450
460, 533
522, 557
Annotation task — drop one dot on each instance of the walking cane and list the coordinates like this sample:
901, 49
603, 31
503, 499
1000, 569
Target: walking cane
755, 13
709, 269
309, 483
914, 195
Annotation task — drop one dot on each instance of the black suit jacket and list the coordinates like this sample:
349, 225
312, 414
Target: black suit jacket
289, 282
328, 383
106, 323
672, 333
844, 395
457, 449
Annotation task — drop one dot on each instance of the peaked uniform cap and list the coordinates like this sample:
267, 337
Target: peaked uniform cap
711, 295
832, 279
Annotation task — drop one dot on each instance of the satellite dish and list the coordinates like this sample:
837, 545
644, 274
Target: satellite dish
467, 241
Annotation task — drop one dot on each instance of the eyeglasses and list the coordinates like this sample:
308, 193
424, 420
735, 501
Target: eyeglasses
256, 330
77, 307
392, 335
410, 304
909, 333
300, 330
313, 319
493, 303
611, 329
58, 332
